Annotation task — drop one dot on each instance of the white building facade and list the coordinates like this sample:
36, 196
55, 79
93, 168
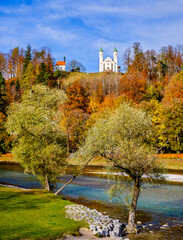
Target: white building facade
60, 65
108, 64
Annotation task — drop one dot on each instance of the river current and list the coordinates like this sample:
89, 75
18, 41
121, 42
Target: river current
157, 205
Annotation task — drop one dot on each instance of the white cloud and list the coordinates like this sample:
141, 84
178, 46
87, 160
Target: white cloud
141, 8
78, 28
55, 34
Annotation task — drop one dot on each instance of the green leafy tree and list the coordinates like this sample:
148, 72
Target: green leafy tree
28, 77
122, 137
173, 125
27, 71
18, 85
39, 144
43, 75
58, 76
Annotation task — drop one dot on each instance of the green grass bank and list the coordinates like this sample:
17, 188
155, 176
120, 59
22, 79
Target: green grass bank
33, 214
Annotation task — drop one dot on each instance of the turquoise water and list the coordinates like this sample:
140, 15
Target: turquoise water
14, 174
165, 201
159, 199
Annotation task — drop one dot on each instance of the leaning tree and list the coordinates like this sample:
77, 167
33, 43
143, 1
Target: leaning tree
39, 143
123, 137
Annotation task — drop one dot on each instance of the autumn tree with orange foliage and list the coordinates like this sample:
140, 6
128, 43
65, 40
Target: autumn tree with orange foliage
173, 112
75, 114
94, 104
13, 92
95, 99
5, 138
133, 85
77, 96
73, 123
175, 88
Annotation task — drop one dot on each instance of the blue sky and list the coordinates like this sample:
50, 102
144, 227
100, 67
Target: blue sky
78, 28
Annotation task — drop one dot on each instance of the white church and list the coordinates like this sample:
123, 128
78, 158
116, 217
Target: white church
108, 64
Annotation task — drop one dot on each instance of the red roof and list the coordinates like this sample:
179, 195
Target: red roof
60, 63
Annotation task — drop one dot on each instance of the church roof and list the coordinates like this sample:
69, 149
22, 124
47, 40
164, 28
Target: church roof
60, 63
101, 50
115, 50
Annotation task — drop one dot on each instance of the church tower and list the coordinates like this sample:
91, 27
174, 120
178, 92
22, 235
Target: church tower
101, 60
108, 64
115, 59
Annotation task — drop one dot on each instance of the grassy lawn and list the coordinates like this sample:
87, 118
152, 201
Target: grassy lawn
33, 214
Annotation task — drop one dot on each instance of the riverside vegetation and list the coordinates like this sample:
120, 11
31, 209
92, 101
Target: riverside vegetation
40, 145
46, 124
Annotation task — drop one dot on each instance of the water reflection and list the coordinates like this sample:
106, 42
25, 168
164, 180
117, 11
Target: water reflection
14, 174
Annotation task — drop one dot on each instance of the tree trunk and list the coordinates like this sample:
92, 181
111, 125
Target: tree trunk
67, 133
58, 83
65, 185
86, 164
47, 185
68, 146
131, 227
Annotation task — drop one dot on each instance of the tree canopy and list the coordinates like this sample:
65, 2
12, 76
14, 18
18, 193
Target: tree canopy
122, 137
148, 75
39, 144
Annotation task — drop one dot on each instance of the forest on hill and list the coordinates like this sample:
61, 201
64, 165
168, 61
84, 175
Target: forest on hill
153, 81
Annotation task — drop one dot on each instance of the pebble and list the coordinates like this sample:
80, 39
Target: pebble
98, 223
102, 225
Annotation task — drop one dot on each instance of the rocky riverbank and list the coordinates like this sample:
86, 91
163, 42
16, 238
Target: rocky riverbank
101, 225
104, 226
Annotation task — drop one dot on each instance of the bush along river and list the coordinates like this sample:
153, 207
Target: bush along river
159, 210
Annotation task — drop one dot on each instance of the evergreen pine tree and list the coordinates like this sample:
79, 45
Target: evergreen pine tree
27, 59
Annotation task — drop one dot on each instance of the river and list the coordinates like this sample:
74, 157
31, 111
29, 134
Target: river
157, 205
